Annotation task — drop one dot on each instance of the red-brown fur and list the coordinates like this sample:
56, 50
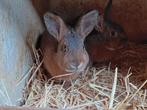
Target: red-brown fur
69, 10
132, 16
129, 14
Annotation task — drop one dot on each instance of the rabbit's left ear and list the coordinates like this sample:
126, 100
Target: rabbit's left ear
87, 23
55, 25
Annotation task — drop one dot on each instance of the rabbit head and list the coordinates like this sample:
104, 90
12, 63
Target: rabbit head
71, 54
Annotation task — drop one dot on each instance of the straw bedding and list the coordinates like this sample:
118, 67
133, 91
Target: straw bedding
97, 88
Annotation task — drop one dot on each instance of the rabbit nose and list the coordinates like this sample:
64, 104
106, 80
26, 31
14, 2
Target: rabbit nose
76, 65
73, 67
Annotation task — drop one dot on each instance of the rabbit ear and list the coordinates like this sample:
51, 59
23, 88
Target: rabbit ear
87, 23
55, 25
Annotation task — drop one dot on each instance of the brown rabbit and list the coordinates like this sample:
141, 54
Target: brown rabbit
63, 47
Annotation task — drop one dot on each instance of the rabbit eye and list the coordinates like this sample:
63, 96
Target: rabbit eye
113, 33
64, 48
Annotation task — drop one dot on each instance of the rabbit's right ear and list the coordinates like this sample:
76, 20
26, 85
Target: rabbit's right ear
55, 25
87, 23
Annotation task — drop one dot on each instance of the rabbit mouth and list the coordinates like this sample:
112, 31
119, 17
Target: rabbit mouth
71, 71
75, 69
80, 70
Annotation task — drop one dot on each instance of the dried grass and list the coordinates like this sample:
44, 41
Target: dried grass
95, 89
